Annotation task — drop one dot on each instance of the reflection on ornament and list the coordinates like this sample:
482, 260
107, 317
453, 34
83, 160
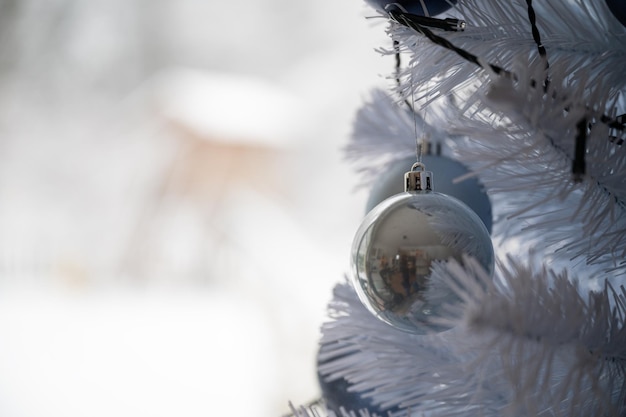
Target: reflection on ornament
469, 191
398, 242
433, 7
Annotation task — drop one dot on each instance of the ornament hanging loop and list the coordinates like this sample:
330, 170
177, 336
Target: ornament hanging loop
418, 179
418, 165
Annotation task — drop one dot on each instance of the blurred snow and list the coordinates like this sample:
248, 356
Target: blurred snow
174, 210
223, 105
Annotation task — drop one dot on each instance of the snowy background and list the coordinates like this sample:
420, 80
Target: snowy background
174, 209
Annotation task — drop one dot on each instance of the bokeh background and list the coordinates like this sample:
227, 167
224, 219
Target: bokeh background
174, 208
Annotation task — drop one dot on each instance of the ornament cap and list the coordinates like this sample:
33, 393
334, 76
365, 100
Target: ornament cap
418, 179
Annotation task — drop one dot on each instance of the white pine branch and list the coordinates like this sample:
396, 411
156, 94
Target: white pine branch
525, 345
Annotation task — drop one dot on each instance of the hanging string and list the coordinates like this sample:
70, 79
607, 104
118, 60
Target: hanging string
419, 143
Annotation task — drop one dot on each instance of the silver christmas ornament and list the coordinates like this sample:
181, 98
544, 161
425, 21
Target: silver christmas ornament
398, 242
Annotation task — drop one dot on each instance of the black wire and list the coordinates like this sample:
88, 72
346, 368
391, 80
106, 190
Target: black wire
537, 38
405, 20
579, 164
618, 123
535, 31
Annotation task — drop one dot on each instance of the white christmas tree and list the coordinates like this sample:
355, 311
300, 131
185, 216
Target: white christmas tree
530, 97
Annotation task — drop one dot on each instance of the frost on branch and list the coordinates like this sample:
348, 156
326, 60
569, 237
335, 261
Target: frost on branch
527, 344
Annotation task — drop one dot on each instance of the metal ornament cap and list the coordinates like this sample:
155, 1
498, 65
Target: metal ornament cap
421, 180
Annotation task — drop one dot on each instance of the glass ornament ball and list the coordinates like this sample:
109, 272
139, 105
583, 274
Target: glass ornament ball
433, 7
395, 247
618, 8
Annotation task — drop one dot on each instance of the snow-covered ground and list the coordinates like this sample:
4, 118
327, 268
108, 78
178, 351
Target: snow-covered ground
174, 210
